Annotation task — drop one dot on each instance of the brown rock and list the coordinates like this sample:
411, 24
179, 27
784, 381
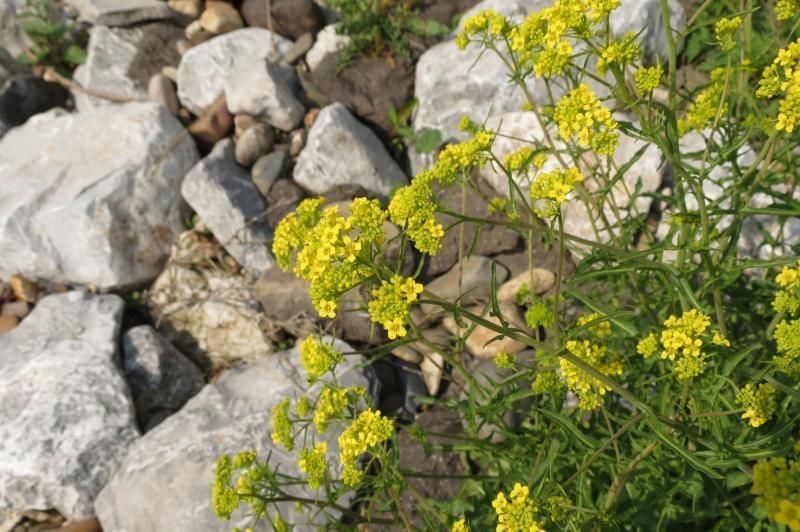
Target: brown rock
189, 8
85, 525
432, 367
290, 18
220, 17
7, 322
16, 308
297, 141
543, 280
254, 142
311, 117
242, 123
475, 285
24, 289
407, 353
284, 296
368, 86
215, 123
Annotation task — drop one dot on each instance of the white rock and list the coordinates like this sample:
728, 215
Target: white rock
160, 377
120, 12
264, 90
66, 418
342, 151
645, 16
97, 213
328, 42
225, 198
110, 53
205, 68
164, 483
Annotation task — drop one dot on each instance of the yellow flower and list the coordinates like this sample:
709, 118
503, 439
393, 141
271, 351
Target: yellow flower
581, 114
776, 484
647, 79
551, 190
720, 340
282, 425
789, 514
505, 360
460, 526
759, 404
391, 302
331, 404
787, 338
707, 106
314, 463
318, 358
590, 390
621, 53
601, 328
786, 9
516, 513
369, 430
725, 29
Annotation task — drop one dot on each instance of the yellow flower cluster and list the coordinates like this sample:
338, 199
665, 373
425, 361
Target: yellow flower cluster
621, 53
547, 382
601, 329
589, 389
707, 106
787, 333
786, 9
391, 303
579, 113
517, 512
647, 79
776, 484
318, 358
550, 190
413, 206
282, 425
332, 252
725, 29
505, 360
489, 23
224, 497
759, 404
782, 77
369, 430
460, 526
558, 506
332, 402
314, 463
681, 341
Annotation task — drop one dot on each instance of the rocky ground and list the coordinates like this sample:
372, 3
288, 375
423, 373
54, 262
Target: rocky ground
145, 325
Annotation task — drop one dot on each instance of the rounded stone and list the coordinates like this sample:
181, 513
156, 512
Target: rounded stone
254, 142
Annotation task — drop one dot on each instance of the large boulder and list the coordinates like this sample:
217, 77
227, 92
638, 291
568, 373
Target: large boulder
205, 69
121, 61
342, 152
66, 417
165, 481
96, 213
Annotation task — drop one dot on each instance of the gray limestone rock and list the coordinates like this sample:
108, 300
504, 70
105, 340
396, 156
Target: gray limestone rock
121, 12
264, 90
66, 417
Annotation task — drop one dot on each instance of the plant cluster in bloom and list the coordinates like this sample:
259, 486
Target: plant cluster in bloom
332, 403
725, 30
782, 78
681, 341
787, 333
391, 303
647, 79
369, 430
708, 106
759, 403
776, 484
282, 429
550, 190
579, 113
227, 494
621, 53
314, 463
589, 389
517, 512
505, 360
318, 358
460, 526
786, 9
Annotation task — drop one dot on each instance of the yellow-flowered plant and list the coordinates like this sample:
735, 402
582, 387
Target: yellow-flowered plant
759, 403
314, 463
580, 114
786, 9
516, 512
282, 428
550, 190
318, 358
368, 431
621, 53
708, 106
787, 332
460, 526
725, 30
782, 78
776, 484
647, 79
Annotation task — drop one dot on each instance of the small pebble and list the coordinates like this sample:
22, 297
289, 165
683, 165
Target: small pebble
24, 289
161, 90
220, 17
189, 8
299, 49
267, 169
254, 143
15, 308
242, 123
7, 323
171, 72
311, 117
297, 141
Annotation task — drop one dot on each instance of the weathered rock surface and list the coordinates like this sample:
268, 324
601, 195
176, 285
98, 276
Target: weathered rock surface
227, 416
12, 38
224, 197
121, 61
255, 142
266, 91
645, 16
267, 169
290, 18
25, 95
286, 303
283, 197
321, 167
328, 42
100, 214
161, 379
205, 68
205, 308
121, 12
66, 418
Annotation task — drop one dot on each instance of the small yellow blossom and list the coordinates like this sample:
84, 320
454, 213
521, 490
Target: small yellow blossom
551, 190
505, 360
516, 513
547, 382
391, 303
708, 105
787, 338
786, 9
621, 53
601, 328
580, 114
282, 425
776, 484
314, 463
460, 526
647, 79
331, 404
759, 404
720, 340
369, 430
318, 358
725, 30
590, 390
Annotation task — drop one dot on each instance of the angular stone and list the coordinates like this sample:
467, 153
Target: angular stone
255, 142
66, 418
224, 197
162, 91
204, 69
121, 12
290, 18
476, 277
121, 61
321, 167
160, 377
283, 197
214, 124
227, 416
264, 90
24, 96
301, 46
89, 212
220, 17
210, 314
328, 42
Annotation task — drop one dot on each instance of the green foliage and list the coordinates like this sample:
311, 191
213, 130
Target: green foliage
663, 394
54, 43
382, 27
426, 142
